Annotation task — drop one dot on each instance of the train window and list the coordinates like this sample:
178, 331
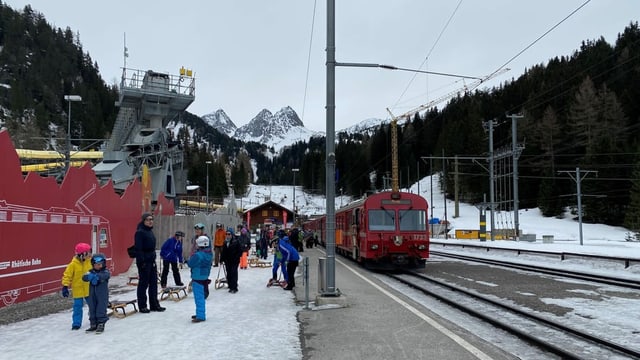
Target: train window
382, 220
413, 220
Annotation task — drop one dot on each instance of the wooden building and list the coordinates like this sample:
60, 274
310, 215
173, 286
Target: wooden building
267, 213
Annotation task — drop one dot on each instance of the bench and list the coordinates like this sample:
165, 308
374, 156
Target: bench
175, 293
119, 307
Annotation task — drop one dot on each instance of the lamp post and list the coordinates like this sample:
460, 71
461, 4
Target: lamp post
207, 195
67, 153
294, 194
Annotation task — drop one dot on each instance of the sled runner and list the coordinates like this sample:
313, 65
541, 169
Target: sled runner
175, 293
281, 283
255, 262
119, 308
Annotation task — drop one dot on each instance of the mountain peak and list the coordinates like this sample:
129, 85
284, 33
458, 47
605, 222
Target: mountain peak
220, 121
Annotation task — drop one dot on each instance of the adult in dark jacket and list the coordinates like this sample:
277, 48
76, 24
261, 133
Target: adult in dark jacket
145, 245
231, 253
171, 254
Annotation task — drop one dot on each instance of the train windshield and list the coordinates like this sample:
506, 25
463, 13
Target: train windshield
382, 220
413, 220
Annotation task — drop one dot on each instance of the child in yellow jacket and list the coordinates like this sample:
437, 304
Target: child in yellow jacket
72, 277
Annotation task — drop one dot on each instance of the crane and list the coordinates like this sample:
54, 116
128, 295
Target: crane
394, 121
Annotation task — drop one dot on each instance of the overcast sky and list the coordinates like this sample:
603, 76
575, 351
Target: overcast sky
248, 55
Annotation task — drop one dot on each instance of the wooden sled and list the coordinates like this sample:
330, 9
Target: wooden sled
133, 280
255, 262
280, 283
119, 308
220, 283
175, 293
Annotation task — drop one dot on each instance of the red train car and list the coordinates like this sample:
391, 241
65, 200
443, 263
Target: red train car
386, 230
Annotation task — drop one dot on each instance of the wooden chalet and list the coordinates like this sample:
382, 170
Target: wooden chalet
269, 213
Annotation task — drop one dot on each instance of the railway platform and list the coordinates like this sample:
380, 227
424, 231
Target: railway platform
371, 321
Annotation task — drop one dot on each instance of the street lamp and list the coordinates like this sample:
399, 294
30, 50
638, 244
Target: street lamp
294, 194
207, 195
67, 154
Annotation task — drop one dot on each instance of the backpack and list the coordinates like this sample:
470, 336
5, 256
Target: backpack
245, 243
131, 250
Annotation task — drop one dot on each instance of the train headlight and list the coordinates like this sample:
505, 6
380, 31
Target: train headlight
421, 247
397, 240
374, 247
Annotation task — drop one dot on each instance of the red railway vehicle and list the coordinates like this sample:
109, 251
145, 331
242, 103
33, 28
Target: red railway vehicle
384, 231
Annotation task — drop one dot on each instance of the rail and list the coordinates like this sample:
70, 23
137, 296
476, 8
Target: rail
564, 255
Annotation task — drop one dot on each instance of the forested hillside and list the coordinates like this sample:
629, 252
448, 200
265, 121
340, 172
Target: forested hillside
580, 110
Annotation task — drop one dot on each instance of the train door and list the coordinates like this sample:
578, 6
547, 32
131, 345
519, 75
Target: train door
353, 231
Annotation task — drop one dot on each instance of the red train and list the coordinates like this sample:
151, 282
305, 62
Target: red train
385, 231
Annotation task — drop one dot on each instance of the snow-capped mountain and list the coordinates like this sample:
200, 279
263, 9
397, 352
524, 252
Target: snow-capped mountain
221, 122
277, 130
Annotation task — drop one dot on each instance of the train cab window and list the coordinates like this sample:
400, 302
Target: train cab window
382, 220
413, 220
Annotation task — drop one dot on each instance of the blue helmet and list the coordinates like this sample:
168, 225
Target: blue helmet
99, 258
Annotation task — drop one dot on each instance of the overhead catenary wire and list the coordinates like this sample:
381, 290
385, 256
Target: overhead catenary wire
306, 81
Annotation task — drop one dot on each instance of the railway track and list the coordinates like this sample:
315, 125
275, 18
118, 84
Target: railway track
598, 278
545, 332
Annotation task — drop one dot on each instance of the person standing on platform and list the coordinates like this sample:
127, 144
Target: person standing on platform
145, 247
72, 277
218, 243
200, 264
290, 257
231, 253
171, 254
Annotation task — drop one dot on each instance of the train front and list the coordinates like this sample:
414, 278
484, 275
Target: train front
396, 233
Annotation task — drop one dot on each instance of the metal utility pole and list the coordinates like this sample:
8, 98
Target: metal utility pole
492, 197
578, 179
207, 194
294, 194
330, 234
67, 154
516, 150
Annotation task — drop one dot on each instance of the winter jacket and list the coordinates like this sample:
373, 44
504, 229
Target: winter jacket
220, 235
289, 253
231, 251
145, 244
171, 250
72, 277
200, 264
101, 289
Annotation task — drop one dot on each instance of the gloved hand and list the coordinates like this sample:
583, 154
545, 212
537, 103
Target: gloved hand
65, 291
93, 278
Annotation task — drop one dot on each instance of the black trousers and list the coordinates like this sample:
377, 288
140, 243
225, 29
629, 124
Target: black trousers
147, 281
291, 270
232, 274
165, 273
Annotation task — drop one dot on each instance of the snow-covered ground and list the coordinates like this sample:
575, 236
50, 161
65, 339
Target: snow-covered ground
260, 322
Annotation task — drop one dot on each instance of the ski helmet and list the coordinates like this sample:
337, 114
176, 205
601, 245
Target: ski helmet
202, 241
82, 248
99, 258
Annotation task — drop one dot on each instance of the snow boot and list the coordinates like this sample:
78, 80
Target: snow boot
100, 328
92, 327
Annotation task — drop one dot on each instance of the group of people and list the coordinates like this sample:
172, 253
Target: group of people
88, 277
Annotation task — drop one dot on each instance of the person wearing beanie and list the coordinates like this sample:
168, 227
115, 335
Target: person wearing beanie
231, 253
171, 254
145, 247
